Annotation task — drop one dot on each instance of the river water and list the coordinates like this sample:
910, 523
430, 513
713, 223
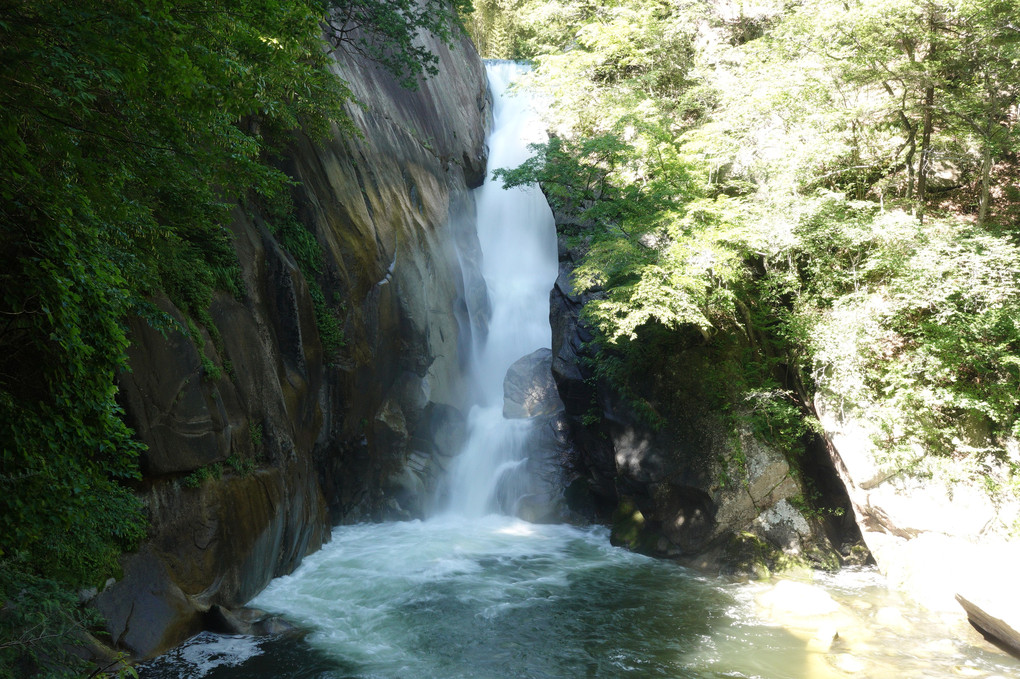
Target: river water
472, 593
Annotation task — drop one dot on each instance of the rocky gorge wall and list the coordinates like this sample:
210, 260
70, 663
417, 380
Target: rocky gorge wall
703, 487
696, 486
257, 441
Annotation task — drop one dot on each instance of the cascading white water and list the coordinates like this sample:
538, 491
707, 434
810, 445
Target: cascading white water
518, 242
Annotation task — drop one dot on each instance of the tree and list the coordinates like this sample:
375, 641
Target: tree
386, 31
938, 69
983, 59
762, 200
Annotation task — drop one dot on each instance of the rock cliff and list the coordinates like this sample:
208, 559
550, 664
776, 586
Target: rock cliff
257, 441
935, 538
695, 486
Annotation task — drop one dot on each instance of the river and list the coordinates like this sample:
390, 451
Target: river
473, 593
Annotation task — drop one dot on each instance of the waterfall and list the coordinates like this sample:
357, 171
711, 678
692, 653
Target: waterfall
465, 596
518, 242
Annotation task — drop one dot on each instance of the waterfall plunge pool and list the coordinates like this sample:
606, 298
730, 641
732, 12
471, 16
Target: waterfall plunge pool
495, 597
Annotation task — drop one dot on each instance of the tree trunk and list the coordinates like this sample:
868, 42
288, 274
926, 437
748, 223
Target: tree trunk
911, 145
926, 125
989, 133
986, 174
923, 166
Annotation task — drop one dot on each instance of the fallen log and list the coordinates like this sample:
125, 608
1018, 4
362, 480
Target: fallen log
1004, 630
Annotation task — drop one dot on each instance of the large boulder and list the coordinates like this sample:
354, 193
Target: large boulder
529, 389
932, 539
534, 490
671, 473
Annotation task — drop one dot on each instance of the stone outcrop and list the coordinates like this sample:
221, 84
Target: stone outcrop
246, 470
534, 491
529, 389
693, 486
932, 540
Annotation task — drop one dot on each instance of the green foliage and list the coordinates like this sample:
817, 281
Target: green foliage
202, 474
129, 130
733, 468
327, 319
386, 31
776, 416
933, 344
210, 369
108, 177
520, 29
255, 433
65, 449
933, 82
308, 254
241, 466
658, 252
768, 197
40, 625
189, 272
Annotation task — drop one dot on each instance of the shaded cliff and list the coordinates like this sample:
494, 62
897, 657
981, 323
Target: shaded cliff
670, 456
258, 440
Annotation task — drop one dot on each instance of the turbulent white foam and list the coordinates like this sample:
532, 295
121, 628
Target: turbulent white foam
364, 591
454, 598
205, 652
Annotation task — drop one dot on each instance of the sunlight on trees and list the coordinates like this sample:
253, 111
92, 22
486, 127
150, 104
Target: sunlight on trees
831, 185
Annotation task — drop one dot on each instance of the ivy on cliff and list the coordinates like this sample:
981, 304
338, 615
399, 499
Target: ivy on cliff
129, 129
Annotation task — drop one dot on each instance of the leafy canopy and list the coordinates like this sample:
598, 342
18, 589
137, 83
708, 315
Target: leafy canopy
823, 192
386, 31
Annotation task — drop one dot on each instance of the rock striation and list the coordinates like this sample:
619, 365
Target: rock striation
246, 470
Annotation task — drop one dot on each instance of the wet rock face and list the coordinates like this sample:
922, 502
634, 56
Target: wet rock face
684, 488
529, 389
246, 471
534, 490
189, 423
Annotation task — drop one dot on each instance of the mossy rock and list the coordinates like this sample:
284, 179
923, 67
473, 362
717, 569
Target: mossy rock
749, 555
631, 530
